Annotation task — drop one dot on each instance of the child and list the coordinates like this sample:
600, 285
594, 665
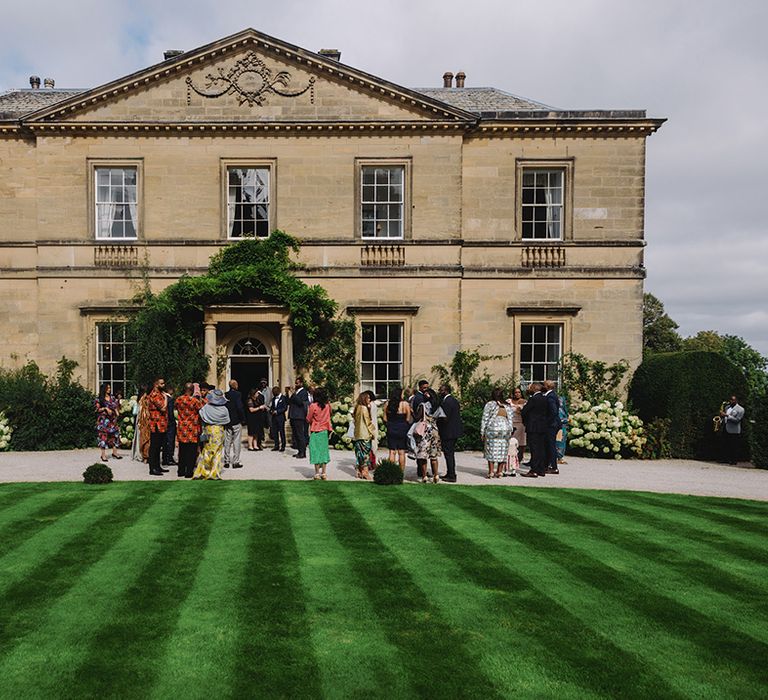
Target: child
513, 463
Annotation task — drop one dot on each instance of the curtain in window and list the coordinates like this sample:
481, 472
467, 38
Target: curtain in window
553, 229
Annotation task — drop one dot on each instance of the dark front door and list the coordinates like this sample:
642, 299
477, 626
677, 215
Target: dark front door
249, 374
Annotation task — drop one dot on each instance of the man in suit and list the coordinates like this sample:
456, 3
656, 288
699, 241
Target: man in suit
266, 392
157, 401
298, 405
451, 429
277, 409
170, 436
234, 430
553, 418
536, 420
416, 401
731, 418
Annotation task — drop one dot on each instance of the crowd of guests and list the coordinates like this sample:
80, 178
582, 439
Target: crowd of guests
206, 423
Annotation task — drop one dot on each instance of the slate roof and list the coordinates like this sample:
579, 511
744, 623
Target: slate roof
484, 99
16, 103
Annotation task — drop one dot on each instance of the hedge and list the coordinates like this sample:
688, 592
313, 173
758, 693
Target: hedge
688, 388
759, 431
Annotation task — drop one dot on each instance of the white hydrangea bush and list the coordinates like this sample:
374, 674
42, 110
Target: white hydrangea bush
341, 415
126, 421
5, 432
606, 430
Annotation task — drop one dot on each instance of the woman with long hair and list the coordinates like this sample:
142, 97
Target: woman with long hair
516, 403
363, 436
398, 417
428, 445
496, 430
107, 427
319, 420
256, 419
140, 446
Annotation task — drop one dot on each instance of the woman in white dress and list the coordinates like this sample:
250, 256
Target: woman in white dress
496, 430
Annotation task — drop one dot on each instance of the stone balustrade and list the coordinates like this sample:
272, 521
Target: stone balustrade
115, 256
382, 256
543, 256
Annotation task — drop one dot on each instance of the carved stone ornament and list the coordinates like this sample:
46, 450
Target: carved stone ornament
250, 80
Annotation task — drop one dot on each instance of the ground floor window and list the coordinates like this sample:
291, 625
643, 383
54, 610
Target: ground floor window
541, 348
113, 352
382, 357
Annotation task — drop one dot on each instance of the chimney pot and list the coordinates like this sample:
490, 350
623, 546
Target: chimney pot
171, 53
49, 83
34, 82
333, 54
461, 76
447, 79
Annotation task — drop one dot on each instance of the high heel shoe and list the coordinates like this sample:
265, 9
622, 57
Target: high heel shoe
105, 459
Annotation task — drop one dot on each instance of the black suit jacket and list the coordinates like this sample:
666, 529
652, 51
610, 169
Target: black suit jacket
553, 411
235, 407
278, 405
298, 405
536, 414
450, 427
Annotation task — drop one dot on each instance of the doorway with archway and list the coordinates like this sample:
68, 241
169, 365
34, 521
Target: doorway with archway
249, 362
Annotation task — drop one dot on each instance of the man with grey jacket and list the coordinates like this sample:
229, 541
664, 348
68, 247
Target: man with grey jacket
732, 417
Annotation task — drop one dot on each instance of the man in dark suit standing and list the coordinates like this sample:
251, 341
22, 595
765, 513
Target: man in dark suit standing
298, 405
451, 429
277, 409
535, 418
232, 434
553, 417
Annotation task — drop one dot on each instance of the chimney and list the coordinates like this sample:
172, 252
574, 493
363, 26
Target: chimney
333, 54
34, 82
49, 83
447, 79
461, 76
171, 53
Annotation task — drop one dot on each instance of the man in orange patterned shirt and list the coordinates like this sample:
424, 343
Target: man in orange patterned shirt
157, 403
188, 429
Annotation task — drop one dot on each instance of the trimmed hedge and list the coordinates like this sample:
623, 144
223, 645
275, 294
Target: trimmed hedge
759, 431
688, 388
388, 473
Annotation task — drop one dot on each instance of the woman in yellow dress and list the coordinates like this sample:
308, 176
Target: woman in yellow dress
214, 416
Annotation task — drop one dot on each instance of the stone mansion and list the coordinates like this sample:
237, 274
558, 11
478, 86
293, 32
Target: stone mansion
443, 218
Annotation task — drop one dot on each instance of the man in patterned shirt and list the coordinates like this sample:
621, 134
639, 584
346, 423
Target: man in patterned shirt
188, 429
157, 401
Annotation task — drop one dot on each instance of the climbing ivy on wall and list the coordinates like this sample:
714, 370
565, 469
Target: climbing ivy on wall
168, 327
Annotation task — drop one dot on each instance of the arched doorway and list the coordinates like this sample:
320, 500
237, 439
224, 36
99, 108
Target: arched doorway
249, 362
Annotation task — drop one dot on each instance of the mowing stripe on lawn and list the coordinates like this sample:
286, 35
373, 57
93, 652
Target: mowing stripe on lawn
754, 525
44, 662
719, 595
37, 512
274, 657
126, 652
13, 493
355, 658
517, 548
413, 624
39, 572
716, 641
544, 631
710, 546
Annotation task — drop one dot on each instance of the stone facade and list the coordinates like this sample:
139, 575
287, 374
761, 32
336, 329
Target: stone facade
461, 276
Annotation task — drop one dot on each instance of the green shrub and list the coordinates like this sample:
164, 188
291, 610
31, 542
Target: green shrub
98, 473
657, 440
47, 413
470, 440
758, 433
687, 388
388, 473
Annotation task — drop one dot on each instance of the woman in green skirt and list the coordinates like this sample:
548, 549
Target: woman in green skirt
319, 419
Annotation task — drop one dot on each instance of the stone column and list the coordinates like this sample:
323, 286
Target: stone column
210, 351
286, 355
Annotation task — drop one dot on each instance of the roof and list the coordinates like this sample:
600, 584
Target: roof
483, 99
20, 101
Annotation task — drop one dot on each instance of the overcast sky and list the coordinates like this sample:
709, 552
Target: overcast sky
703, 65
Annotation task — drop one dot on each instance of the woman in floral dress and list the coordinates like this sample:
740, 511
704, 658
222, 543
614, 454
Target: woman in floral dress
428, 445
214, 416
107, 428
496, 430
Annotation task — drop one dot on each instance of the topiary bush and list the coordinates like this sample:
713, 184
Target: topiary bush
687, 388
388, 473
758, 433
98, 473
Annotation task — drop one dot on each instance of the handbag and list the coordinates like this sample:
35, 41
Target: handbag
439, 413
204, 437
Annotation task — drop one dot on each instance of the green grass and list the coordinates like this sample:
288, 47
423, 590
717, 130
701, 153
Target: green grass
342, 590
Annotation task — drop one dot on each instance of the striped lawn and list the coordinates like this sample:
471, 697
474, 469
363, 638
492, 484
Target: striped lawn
346, 590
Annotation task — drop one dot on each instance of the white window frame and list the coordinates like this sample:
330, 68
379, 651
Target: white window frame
100, 379
561, 332
370, 384
94, 165
405, 197
563, 166
228, 164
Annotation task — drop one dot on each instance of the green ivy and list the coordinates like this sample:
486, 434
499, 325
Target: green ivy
583, 379
168, 328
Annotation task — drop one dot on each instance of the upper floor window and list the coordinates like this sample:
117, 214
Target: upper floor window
116, 201
541, 349
542, 197
382, 201
248, 202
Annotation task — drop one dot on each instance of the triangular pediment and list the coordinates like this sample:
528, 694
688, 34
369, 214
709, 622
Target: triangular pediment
249, 77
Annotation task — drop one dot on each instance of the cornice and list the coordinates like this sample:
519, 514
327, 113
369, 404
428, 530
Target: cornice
569, 127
